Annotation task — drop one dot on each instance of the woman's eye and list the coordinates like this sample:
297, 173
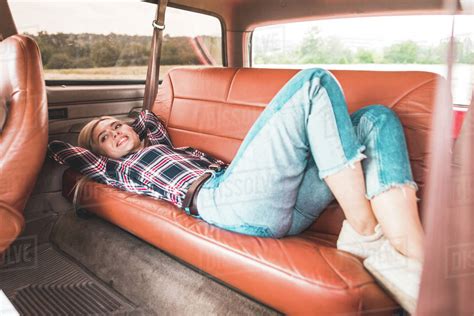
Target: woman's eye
118, 125
103, 138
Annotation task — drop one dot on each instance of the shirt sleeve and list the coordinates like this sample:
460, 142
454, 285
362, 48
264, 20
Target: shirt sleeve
80, 159
149, 125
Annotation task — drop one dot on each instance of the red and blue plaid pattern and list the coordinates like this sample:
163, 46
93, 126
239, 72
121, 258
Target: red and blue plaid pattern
159, 170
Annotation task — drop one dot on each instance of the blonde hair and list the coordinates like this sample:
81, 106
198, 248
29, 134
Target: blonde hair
85, 136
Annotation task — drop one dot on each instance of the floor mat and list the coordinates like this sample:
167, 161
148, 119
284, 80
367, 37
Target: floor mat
46, 282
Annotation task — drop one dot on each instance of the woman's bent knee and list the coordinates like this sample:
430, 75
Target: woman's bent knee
381, 115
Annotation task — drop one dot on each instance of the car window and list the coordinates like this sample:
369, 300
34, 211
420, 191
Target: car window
372, 43
110, 40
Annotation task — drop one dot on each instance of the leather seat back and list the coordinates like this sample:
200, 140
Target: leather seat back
212, 109
24, 136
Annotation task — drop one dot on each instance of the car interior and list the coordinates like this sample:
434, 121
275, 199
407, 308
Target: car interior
72, 246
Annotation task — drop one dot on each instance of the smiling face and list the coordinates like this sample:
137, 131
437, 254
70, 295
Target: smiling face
114, 138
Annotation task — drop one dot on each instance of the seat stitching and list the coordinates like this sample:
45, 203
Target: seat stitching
10, 210
8, 140
231, 83
332, 268
172, 101
217, 101
396, 102
202, 133
339, 274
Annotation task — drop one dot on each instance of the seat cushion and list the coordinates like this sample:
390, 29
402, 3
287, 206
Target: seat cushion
302, 274
212, 109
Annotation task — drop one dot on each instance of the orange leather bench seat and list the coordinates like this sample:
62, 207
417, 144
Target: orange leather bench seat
212, 109
24, 136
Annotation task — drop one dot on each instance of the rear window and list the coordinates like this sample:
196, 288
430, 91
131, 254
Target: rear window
110, 40
372, 43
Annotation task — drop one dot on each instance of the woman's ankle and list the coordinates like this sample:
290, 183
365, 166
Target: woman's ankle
364, 228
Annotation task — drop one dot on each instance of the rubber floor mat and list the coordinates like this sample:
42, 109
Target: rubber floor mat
46, 282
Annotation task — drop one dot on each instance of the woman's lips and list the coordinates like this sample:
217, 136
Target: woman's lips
122, 140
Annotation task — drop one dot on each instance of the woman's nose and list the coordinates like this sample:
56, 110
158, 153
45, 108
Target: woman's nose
115, 133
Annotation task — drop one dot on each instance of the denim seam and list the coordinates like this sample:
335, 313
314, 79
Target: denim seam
382, 182
254, 134
348, 163
216, 181
380, 178
360, 123
228, 171
301, 83
378, 161
335, 127
246, 225
243, 223
304, 215
328, 79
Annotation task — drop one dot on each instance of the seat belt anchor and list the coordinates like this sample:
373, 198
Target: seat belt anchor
155, 25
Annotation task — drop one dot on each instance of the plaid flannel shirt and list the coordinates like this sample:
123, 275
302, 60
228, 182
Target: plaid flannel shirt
159, 170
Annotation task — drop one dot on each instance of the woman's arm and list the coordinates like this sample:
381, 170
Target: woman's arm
80, 159
95, 167
148, 124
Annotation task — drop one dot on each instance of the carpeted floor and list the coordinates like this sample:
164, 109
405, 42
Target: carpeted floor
145, 274
40, 280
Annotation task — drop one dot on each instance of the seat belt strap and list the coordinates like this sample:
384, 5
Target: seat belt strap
153, 72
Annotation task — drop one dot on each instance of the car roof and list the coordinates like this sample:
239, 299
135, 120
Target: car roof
245, 15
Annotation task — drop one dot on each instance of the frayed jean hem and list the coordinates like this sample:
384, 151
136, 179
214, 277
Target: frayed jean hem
390, 186
349, 163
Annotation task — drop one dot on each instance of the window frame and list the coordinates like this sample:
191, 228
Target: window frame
461, 107
114, 82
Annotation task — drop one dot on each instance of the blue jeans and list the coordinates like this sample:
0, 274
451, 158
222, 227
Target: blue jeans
274, 185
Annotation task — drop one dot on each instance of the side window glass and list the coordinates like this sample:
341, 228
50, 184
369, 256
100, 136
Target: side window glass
110, 40
190, 39
372, 43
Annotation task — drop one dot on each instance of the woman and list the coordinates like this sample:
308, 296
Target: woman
302, 152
